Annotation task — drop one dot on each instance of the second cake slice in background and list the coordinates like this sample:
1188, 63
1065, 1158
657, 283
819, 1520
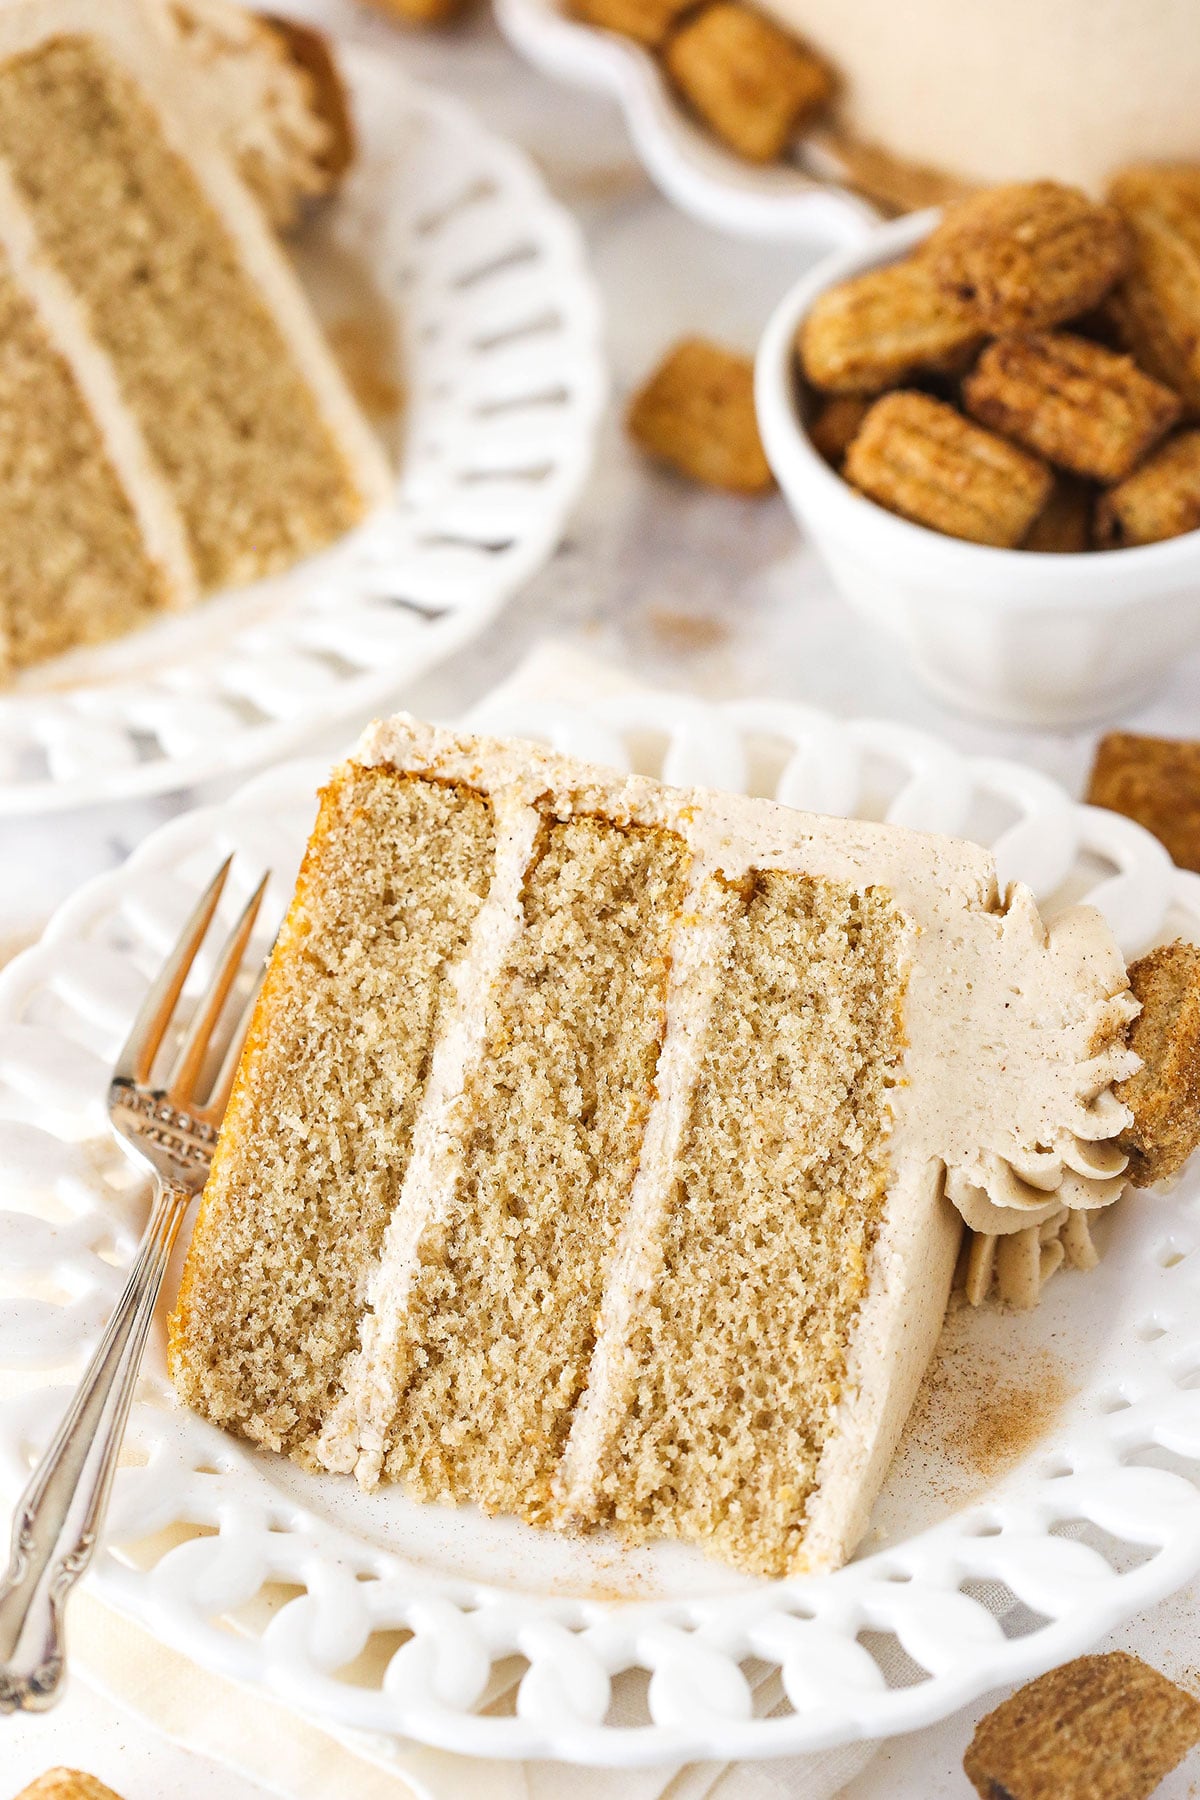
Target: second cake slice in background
200, 434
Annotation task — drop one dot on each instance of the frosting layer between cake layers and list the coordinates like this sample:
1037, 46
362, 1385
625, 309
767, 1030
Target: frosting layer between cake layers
593, 1149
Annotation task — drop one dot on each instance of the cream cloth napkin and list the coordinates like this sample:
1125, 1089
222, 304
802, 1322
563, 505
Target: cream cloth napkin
259, 1738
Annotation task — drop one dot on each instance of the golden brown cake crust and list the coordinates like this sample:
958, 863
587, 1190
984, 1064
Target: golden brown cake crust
1164, 1095
1155, 781
1099, 1728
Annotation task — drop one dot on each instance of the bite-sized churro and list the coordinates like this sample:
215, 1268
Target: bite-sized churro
66, 1784
1156, 308
1080, 406
1064, 525
876, 330
835, 424
1164, 1095
1155, 781
1029, 255
1099, 1728
1161, 499
920, 458
752, 82
646, 21
696, 412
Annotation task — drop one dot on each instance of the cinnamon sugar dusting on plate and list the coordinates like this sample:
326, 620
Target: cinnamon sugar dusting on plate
1011, 1419
980, 1410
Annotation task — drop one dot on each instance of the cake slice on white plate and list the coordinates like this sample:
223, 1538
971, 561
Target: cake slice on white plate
601, 1150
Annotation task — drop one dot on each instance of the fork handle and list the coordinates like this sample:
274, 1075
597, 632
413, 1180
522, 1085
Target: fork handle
58, 1517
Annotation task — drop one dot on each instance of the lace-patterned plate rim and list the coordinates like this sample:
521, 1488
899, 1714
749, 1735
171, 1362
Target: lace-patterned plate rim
779, 203
483, 283
413, 1631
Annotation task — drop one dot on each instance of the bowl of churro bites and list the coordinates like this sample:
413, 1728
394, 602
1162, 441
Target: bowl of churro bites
988, 421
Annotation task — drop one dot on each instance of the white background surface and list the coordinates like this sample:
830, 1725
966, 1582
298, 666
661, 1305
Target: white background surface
686, 589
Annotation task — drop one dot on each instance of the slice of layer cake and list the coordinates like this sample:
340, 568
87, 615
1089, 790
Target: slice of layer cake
170, 419
600, 1150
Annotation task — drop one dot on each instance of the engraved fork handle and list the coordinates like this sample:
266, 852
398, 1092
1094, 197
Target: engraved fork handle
58, 1517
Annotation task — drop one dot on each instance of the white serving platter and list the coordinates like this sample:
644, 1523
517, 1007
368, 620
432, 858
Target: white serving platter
445, 252
1048, 1487
781, 202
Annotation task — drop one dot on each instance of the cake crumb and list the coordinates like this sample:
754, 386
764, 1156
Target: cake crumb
1100, 1728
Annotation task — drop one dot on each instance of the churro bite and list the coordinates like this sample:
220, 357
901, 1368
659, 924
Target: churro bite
66, 1784
750, 81
646, 21
1073, 402
1029, 255
696, 413
1156, 308
1064, 525
1156, 782
1099, 1728
921, 459
878, 329
1164, 1094
1161, 499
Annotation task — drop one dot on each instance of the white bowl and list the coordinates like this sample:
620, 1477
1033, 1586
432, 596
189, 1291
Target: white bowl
1024, 637
779, 202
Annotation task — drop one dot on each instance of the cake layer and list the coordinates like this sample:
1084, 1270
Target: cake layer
499, 1324
202, 364
319, 1128
74, 568
725, 1379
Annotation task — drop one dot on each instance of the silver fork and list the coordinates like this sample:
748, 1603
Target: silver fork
171, 1131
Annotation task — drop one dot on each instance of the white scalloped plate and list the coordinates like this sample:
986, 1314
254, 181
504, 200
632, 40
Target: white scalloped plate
375, 1614
448, 236
779, 202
